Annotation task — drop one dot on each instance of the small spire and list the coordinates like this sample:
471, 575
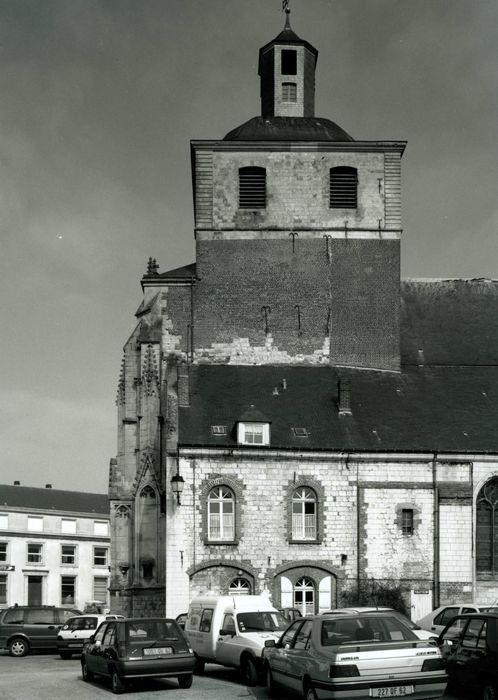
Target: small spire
286, 9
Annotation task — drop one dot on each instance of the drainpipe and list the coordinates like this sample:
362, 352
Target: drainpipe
473, 550
436, 586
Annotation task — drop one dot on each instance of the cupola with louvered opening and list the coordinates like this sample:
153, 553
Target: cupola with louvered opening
252, 188
343, 188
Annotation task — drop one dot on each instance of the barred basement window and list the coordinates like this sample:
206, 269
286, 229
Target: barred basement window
252, 188
343, 188
407, 521
289, 92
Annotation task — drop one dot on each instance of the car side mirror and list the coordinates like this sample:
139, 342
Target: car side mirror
270, 643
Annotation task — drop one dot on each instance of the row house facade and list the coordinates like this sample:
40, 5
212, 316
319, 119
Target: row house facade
54, 547
293, 418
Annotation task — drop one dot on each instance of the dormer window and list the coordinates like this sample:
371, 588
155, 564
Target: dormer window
289, 92
343, 188
252, 188
289, 62
253, 433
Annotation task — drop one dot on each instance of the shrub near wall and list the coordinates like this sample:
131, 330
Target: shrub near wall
376, 594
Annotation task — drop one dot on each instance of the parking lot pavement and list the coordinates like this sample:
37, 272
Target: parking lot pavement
48, 677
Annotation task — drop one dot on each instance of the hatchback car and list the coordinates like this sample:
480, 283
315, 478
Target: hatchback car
125, 650
25, 628
354, 656
417, 631
469, 644
78, 630
436, 620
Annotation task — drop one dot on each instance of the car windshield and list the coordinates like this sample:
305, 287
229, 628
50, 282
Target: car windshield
149, 633
364, 629
261, 621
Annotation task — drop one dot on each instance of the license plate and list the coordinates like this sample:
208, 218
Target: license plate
398, 691
157, 651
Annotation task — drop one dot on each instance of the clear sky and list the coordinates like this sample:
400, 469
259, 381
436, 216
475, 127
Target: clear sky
98, 102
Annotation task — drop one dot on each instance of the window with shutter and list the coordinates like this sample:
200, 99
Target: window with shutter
343, 188
252, 188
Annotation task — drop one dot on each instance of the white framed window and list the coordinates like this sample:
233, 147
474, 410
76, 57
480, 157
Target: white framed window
239, 586
68, 526
68, 554
289, 92
35, 523
221, 514
35, 553
100, 556
3, 551
101, 528
68, 590
304, 596
4, 521
253, 433
100, 585
3, 589
304, 508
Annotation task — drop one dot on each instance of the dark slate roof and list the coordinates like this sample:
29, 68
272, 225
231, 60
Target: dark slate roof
453, 322
288, 129
53, 499
443, 409
178, 273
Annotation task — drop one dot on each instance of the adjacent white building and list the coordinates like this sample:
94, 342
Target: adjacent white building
54, 546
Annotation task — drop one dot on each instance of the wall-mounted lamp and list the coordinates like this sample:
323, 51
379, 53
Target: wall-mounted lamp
177, 484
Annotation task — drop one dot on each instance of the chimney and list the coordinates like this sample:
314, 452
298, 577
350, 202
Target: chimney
344, 402
183, 385
48, 486
17, 483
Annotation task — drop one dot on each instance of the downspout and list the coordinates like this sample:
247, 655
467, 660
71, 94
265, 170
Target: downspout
193, 511
473, 515
436, 583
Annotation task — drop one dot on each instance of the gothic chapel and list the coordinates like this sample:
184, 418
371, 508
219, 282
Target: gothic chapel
292, 417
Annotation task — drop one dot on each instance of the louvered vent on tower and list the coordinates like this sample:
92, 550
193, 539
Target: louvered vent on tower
343, 188
252, 188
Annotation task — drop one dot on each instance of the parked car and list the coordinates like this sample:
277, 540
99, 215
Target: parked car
437, 620
356, 655
232, 630
469, 644
25, 628
78, 630
290, 613
130, 649
418, 631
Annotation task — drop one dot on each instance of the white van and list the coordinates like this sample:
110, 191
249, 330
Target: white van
232, 630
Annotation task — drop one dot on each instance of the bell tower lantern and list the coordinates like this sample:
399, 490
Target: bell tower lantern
287, 72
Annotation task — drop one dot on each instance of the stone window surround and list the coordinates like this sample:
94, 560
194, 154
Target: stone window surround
314, 569
234, 569
316, 486
41, 553
235, 485
75, 554
398, 521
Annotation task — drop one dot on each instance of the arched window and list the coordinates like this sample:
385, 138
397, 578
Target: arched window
304, 512
239, 586
343, 188
221, 512
304, 596
252, 188
487, 528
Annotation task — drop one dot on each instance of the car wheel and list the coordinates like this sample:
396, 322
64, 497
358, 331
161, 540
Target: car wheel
185, 681
248, 671
270, 683
85, 672
199, 665
310, 693
18, 647
117, 683
65, 655
488, 691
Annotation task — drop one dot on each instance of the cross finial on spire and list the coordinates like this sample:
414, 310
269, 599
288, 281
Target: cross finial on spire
286, 9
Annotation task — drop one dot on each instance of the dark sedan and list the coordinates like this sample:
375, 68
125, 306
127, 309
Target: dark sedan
125, 650
469, 644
